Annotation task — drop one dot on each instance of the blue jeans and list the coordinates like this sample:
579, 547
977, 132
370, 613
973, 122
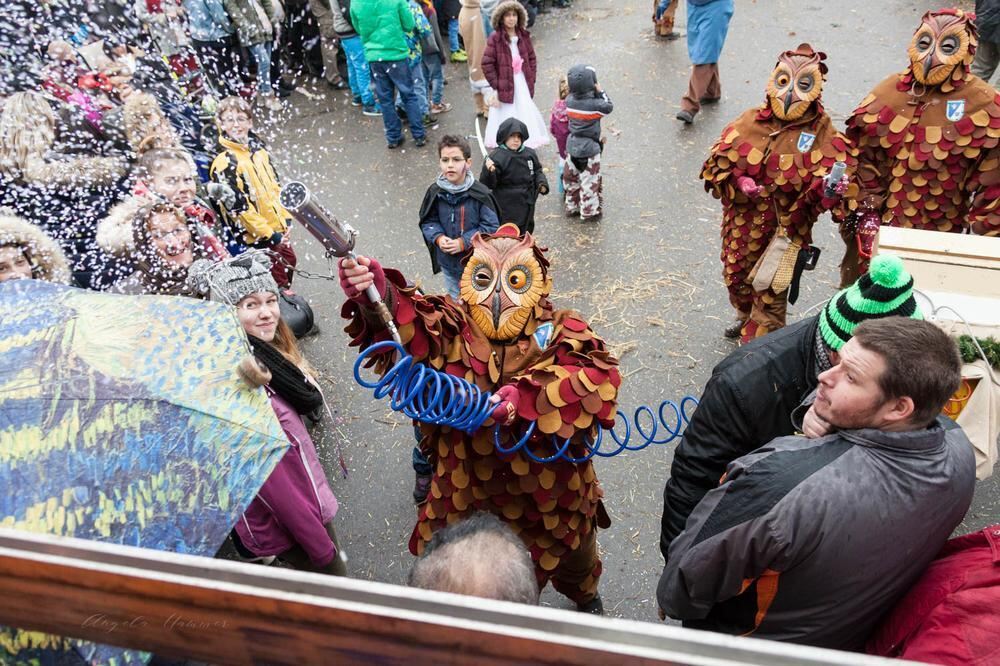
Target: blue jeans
451, 285
419, 85
390, 76
419, 460
487, 24
262, 56
434, 74
357, 69
453, 35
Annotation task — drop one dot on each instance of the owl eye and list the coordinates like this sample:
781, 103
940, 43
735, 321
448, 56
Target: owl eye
518, 280
482, 277
949, 45
806, 83
781, 80
924, 42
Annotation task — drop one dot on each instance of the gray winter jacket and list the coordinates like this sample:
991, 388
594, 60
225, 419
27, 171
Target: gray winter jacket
585, 107
813, 540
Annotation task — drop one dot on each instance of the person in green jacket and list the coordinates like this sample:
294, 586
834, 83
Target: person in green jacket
382, 25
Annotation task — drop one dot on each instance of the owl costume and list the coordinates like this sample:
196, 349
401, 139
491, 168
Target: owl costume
769, 170
929, 143
547, 365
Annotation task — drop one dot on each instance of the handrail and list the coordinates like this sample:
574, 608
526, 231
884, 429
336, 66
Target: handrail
233, 613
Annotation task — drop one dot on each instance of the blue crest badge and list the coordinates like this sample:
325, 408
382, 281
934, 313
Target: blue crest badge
542, 335
806, 141
955, 110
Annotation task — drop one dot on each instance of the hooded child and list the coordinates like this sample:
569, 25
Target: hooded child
514, 173
586, 104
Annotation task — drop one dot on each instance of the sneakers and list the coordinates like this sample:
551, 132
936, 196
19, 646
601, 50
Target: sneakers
356, 100
370, 110
595, 606
686, 116
431, 122
270, 102
421, 142
459, 56
393, 145
438, 109
421, 488
339, 84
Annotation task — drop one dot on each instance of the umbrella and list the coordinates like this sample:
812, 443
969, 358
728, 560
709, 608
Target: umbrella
123, 419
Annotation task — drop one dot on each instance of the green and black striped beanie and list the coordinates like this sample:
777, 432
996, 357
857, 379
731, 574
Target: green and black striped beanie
886, 290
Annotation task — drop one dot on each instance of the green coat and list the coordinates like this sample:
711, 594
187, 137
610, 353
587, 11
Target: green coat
250, 29
383, 25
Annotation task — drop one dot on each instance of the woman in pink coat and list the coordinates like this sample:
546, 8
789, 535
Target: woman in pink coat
510, 66
292, 516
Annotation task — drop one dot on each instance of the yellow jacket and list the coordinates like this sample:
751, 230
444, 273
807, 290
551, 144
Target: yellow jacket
246, 169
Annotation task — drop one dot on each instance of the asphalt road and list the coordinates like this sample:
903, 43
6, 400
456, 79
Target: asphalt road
647, 276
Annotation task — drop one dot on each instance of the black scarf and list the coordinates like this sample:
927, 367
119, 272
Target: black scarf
286, 379
822, 360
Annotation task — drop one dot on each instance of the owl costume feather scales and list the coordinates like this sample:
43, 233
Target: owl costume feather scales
929, 137
566, 381
787, 146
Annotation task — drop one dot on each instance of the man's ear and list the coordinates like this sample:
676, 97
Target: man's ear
898, 410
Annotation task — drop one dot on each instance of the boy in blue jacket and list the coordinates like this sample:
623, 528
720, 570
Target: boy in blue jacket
455, 207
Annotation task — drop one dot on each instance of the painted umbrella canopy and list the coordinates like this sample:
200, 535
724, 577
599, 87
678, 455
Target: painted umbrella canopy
123, 419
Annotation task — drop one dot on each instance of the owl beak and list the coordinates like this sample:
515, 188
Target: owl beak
496, 307
789, 100
929, 64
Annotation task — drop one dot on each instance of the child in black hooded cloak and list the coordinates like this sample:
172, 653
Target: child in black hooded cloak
515, 175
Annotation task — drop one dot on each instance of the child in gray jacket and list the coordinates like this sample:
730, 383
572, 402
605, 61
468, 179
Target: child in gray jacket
586, 104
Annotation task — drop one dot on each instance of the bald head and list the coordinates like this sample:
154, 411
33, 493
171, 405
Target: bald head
478, 556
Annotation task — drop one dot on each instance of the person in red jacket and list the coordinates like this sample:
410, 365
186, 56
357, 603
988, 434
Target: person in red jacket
950, 616
509, 66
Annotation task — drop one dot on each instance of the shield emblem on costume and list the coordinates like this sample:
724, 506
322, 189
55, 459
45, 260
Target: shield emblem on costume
806, 141
542, 335
955, 110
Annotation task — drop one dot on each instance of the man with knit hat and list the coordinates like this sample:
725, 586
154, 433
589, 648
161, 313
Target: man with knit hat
752, 393
812, 540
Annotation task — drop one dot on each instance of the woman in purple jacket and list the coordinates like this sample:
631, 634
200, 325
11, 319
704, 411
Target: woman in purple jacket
292, 516
509, 66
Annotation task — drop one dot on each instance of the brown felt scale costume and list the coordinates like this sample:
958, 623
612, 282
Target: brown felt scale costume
928, 140
786, 146
504, 332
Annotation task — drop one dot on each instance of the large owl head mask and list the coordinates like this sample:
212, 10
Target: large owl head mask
504, 280
796, 82
943, 47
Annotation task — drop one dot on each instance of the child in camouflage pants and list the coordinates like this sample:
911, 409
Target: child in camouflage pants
586, 104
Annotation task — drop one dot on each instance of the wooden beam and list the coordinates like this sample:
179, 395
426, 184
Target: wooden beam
232, 613
946, 262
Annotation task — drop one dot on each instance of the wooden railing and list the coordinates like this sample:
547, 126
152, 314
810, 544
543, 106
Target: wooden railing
231, 613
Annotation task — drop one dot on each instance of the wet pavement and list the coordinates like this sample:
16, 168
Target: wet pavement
647, 277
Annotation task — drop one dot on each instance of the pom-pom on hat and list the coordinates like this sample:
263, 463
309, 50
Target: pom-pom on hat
886, 290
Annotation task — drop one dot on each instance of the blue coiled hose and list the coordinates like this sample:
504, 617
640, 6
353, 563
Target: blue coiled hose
432, 396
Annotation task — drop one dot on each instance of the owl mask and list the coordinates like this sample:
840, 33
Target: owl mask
506, 277
943, 47
796, 82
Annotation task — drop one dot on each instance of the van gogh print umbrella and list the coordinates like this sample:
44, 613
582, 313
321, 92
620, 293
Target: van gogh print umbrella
123, 419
